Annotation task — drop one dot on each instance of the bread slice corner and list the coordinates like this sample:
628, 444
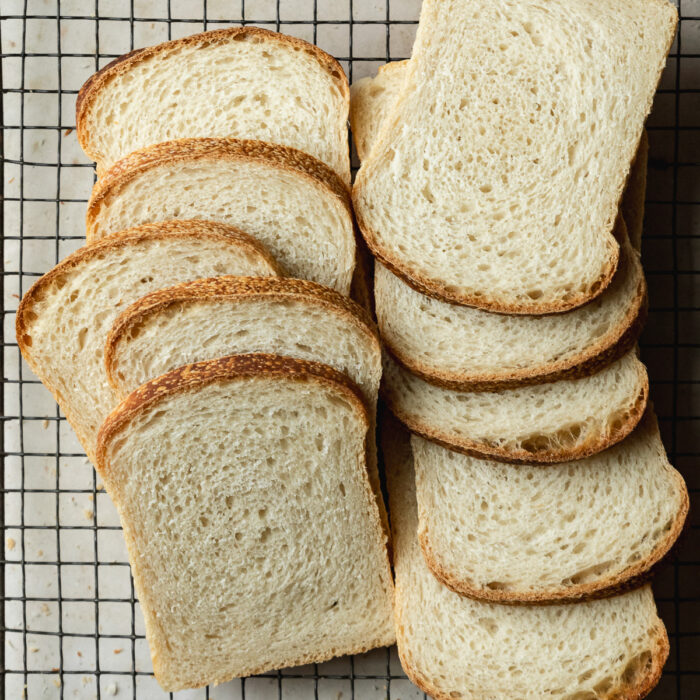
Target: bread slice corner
253, 536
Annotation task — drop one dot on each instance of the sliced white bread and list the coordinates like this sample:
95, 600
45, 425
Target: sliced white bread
482, 161
534, 533
295, 205
371, 100
64, 318
474, 349
220, 316
242, 82
554, 422
254, 539
455, 647
210, 318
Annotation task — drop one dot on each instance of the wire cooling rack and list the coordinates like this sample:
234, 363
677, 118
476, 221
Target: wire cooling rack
71, 623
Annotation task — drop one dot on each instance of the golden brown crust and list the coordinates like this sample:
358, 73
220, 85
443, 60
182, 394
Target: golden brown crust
124, 63
591, 360
234, 367
273, 155
235, 290
632, 203
522, 456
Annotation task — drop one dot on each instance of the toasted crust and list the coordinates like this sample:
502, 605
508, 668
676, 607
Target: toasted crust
273, 155
194, 376
239, 290
590, 360
636, 690
437, 290
520, 456
124, 63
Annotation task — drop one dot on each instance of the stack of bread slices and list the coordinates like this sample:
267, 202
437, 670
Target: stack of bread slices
501, 191
205, 348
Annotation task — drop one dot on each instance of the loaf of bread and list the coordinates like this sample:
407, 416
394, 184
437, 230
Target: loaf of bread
533, 533
480, 160
253, 536
64, 318
554, 422
241, 82
455, 647
295, 205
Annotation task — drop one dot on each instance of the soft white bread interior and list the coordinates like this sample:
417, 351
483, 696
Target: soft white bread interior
253, 536
242, 82
534, 533
473, 348
371, 100
496, 170
211, 318
554, 422
220, 316
457, 648
64, 318
292, 203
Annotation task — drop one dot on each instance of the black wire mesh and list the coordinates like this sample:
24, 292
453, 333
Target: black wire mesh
70, 621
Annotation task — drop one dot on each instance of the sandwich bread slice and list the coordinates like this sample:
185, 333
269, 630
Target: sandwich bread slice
253, 536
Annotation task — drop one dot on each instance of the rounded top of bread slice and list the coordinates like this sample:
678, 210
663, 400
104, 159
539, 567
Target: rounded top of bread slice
473, 349
297, 206
64, 318
496, 178
242, 82
225, 315
258, 367
545, 423
520, 534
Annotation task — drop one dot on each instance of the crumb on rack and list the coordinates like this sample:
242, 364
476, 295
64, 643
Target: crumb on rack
11, 544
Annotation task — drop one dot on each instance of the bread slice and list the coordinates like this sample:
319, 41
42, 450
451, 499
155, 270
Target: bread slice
242, 82
254, 539
475, 349
211, 318
467, 348
554, 422
371, 100
632, 205
504, 202
63, 320
292, 203
455, 647
550, 533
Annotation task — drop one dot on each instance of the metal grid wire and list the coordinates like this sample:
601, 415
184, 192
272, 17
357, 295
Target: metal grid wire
70, 619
